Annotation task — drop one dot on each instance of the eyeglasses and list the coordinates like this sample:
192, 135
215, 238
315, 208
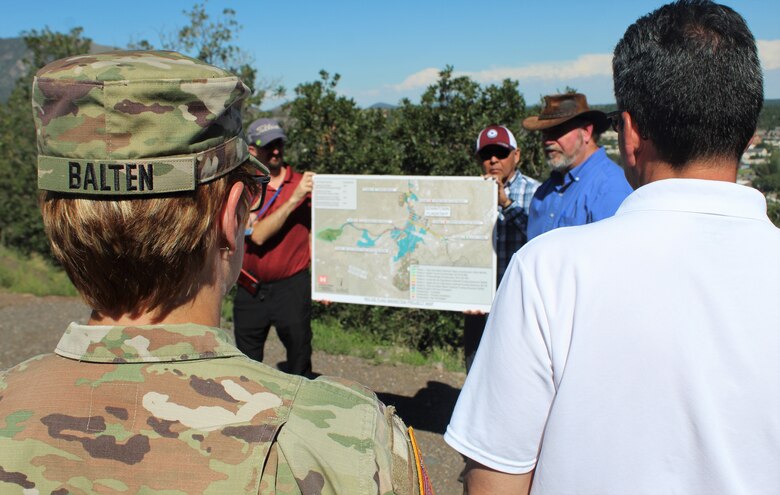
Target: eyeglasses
615, 120
262, 181
489, 152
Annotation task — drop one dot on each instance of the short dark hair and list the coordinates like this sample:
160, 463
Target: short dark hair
689, 75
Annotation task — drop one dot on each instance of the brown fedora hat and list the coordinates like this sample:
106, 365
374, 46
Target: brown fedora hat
562, 108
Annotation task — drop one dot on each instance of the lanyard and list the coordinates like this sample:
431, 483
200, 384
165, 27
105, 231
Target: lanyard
270, 202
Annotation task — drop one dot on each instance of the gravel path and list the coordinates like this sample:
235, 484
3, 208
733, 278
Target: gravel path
423, 396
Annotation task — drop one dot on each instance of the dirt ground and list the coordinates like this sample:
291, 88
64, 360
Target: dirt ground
423, 396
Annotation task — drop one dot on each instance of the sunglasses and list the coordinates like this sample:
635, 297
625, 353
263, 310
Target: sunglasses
615, 120
271, 145
489, 152
262, 182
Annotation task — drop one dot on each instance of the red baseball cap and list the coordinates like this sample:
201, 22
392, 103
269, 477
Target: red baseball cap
496, 135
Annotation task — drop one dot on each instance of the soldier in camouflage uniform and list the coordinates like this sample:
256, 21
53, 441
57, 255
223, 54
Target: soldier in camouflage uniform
146, 185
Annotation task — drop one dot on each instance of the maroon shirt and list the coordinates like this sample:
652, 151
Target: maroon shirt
288, 251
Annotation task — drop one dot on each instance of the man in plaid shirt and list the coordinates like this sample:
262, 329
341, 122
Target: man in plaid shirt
498, 154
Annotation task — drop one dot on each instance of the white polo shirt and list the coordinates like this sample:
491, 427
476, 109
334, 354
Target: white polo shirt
638, 354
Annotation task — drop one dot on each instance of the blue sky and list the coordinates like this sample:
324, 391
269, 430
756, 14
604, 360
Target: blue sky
388, 50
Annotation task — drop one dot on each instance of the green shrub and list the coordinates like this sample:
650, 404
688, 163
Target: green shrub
421, 330
32, 274
331, 338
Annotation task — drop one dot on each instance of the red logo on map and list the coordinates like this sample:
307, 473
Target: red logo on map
322, 279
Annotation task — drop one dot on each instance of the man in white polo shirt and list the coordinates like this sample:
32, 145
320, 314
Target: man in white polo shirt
639, 354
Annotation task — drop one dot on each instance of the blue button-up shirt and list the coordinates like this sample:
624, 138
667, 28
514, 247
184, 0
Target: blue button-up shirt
510, 232
587, 193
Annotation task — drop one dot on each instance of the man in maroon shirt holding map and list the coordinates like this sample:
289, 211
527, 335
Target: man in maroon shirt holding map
275, 284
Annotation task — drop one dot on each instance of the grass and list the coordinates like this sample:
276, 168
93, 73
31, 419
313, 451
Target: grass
329, 337
32, 275
35, 275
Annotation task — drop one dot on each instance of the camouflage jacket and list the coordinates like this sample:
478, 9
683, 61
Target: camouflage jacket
177, 409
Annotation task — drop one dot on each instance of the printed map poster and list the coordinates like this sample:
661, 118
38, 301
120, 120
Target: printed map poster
417, 242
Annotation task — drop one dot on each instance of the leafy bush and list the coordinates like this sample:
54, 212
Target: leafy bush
418, 329
32, 274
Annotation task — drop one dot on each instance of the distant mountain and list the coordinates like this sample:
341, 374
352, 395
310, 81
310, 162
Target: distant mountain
382, 106
12, 54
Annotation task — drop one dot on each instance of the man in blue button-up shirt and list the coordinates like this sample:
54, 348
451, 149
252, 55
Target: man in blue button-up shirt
585, 185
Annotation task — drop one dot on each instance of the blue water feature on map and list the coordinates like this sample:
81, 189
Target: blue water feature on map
406, 243
366, 240
406, 239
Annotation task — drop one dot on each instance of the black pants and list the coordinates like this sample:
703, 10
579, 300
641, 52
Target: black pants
473, 328
285, 304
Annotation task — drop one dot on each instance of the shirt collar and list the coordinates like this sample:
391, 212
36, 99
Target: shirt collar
288, 173
697, 196
144, 343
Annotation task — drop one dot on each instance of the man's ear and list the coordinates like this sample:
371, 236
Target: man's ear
233, 211
252, 150
517, 155
587, 133
631, 142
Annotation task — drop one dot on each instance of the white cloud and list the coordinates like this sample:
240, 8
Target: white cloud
589, 65
560, 72
769, 53
420, 79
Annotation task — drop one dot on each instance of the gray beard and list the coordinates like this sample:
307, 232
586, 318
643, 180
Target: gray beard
564, 162
560, 164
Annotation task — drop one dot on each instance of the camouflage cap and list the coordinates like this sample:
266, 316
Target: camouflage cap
136, 123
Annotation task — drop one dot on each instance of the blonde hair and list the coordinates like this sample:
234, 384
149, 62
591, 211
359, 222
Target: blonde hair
132, 255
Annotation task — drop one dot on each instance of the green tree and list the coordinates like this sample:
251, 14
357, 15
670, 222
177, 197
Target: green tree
20, 222
769, 118
437, 136
213, 41
768, 174
330, 134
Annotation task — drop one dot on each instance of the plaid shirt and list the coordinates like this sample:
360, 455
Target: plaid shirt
510, 232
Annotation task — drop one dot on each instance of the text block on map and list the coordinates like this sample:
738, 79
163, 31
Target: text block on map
419, 242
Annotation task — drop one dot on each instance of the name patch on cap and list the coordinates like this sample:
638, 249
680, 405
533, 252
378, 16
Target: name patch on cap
125, 178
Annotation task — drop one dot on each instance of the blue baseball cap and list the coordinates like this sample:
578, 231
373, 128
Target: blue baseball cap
263, 131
